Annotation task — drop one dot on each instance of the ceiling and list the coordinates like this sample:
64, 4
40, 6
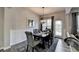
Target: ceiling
47, 10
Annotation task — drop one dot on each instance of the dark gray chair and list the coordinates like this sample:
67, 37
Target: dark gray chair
31, 43
36, 31
49, 39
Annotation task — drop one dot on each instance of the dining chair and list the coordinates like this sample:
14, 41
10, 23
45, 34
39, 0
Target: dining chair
31, 43
36, 31
49, 39
50, 36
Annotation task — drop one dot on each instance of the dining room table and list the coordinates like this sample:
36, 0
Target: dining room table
43, 36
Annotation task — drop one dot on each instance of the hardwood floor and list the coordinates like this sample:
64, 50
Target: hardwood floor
21, 47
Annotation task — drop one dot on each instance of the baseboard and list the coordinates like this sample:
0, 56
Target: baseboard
1, 48
5, 48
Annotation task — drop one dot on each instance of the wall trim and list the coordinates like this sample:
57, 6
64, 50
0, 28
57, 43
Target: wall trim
5, 48
1, 48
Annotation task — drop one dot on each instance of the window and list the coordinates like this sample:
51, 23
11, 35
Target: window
43, 24
58, 28
46, 23
49, 23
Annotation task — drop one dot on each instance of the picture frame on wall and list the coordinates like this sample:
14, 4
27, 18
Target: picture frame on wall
30, 23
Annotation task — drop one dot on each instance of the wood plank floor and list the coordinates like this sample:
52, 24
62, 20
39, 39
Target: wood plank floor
21, 47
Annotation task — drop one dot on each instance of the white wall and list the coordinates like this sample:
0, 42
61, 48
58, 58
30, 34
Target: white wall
17, 36
1, 27
16, 19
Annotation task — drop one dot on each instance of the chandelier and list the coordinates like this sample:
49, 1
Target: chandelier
43, 16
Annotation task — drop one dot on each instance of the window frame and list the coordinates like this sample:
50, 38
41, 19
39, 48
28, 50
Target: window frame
61, 28
46, 24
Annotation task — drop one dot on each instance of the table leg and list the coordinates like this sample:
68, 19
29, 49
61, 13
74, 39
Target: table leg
43, 43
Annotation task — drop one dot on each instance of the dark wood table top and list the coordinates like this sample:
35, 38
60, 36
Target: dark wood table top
41, 34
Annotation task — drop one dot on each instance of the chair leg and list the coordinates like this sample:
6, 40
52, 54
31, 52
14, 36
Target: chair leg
32, 49
51, 41
48, 44
27, 49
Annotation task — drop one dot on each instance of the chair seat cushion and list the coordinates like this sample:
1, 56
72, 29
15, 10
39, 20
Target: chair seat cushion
35, 42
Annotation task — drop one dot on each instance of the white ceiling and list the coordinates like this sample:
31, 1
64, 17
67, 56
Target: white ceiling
47, 10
